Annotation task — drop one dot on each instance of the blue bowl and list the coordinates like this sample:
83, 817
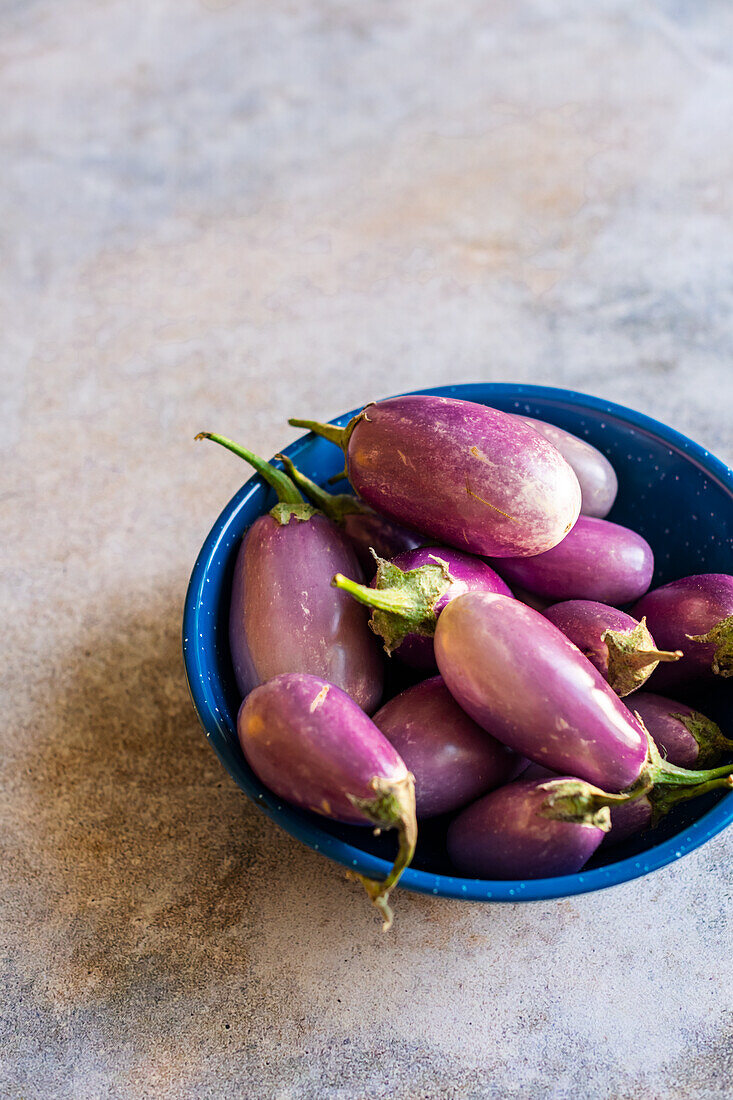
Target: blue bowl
670, 490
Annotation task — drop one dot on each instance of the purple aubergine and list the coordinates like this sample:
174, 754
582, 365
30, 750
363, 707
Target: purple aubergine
467, 475
409, 593
312, 745
621, 648
507, 835
596, 475
694, 614
452, 759
683, 735
598, 560
285, 616
520, 678
369, 532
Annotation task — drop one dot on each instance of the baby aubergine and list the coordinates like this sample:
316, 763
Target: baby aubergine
507, 834
621, 648
694, 614
525, 682
312, 745
597, 477
683, 735
285, 616
598, 560
494, 485
452, 759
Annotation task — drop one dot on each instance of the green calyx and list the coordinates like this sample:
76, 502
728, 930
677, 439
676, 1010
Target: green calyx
721, 636
392, 807
632, 657
403, 602
712, 742
664, 799
290, 503
334, 505
581, 803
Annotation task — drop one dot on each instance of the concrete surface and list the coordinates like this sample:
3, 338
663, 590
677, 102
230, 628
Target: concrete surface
214, 214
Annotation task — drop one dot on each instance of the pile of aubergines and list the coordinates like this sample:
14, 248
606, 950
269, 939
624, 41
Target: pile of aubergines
469, 639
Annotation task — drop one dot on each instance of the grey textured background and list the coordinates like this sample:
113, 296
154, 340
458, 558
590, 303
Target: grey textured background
214, 214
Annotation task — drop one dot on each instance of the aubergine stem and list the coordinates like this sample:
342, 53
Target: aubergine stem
632, 657
403, 601
332, 432
393, 807
389, 599
663, 801
290, 502
333, 505
581, 803
342, 475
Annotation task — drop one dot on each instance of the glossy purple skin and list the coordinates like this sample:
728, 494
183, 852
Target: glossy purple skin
520, 678
671, 737
692, 605
312, 745
453, 760
369, 531
597, 561
504, 835
468, 475
628, 819
584, 622
469, 574
597, 477
286, 617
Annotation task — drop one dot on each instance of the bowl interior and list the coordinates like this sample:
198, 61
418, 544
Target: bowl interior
673, 492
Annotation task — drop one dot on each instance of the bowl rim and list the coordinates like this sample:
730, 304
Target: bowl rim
303, 827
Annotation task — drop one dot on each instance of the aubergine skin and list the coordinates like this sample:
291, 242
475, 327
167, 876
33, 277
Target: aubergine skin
312, 745
505, 835
463, 473
597, 477
691, 606
452, 759
598, 560
469, 574
520, 678
369, 531
286, 617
